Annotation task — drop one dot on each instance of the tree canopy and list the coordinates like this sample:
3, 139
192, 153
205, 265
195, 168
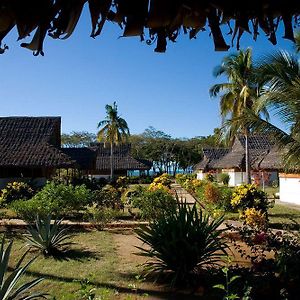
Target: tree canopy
167, 153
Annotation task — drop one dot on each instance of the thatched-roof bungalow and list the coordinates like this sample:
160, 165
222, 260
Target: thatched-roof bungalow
232, 161
210, 158
30, 148
95, 160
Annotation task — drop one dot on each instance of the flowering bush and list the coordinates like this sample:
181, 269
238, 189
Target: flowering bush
248, 196
164, 179
254, 217
162, 182
15, 191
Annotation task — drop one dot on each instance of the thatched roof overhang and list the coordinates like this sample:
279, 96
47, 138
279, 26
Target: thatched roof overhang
31, 142
85, 157
154, 21
272, 161
210, 157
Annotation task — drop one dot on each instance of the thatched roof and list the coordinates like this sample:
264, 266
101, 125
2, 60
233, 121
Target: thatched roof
163, 19
210, 157
262, 154
122, 159
85, 157
273, 160
31, 142
97, 157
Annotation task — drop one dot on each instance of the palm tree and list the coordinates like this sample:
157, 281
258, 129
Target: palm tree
281, 93
113, 130
237, 96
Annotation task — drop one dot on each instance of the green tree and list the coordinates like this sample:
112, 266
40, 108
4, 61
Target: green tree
237, 96
280, 73
77, 139
113, 130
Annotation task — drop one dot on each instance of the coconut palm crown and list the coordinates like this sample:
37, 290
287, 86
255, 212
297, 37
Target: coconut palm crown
113, 130
237, 96
280, 74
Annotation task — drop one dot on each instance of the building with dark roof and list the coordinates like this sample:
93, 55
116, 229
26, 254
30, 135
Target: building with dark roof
95, 160
30, 148
263, 154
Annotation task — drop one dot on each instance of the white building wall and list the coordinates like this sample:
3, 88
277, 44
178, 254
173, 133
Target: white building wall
236, 178
289, 188
200, 175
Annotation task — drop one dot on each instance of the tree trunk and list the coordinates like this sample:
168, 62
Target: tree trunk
111, 161
247, 160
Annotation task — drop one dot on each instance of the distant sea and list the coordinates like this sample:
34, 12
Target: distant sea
152, 172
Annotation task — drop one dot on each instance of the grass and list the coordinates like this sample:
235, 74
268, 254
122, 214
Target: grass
280, 217
89, 267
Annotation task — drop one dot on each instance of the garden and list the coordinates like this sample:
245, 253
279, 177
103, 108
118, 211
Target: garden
175, 251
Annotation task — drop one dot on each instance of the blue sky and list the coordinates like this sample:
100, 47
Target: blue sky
77, 77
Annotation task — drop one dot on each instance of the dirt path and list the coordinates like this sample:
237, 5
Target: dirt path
183, 194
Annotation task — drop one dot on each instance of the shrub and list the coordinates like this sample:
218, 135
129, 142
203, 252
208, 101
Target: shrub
163, 179
182, 241
10, 287
100, 216
225, 198
56, 199
254, 217
212, 193
15, 191
153, 204
224, 178
210, 177
108, 197
46, 237
248, 196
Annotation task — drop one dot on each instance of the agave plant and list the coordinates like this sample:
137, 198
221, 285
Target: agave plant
9, 288
182, 242
46, 236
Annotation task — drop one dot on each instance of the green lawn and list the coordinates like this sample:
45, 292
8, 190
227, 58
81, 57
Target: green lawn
281, 216
91, 266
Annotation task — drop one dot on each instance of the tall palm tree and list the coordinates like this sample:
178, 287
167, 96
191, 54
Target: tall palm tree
237, 96
280, 73
113, 130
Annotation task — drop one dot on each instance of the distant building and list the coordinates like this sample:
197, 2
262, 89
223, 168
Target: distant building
95, 160
232, 161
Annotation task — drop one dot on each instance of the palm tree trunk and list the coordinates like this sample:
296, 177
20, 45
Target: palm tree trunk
111, 161
247, 160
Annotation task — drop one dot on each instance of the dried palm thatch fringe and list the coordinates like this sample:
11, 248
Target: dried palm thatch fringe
165, 19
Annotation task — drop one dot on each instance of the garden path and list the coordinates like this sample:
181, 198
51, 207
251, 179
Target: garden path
182, 193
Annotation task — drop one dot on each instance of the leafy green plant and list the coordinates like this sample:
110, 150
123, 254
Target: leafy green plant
56, 199
249, 196
100, 216
153, 204
226, 288
108, 197
15, 191
10, 289
46, 236
182, 241
224, 178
